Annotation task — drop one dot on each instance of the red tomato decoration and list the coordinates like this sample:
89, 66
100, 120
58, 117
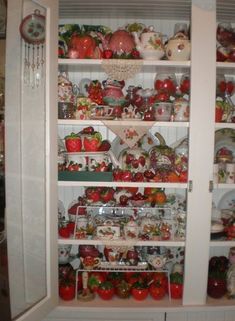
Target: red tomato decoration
139, 293
64, 232
136, 277
176, 290
216, 288
185, 86
67, 291
106, 290
161, 278
165, 84
157, 291
95, 279
162, 96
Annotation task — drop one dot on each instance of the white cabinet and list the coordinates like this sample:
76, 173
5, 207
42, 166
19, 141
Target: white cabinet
200, 130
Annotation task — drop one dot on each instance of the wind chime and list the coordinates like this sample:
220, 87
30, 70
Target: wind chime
32, 30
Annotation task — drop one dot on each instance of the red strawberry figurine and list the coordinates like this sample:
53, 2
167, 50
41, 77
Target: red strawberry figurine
91, 143
126, 176
135, 54
138, 177
129, 158
73, 143
93, 194
107, 54
105, 146
117, 174
107, 194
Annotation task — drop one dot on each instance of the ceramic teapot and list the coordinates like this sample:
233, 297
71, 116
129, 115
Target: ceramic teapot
120, 41
149, 44
178, 47
161, 156
157, 261
112, 93
134, 159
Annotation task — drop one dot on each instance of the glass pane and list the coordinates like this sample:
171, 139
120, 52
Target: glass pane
26, 165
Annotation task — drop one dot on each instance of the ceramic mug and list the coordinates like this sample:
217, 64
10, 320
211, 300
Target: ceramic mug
230, 171
163, 111
75, 158
97, 161
181, 110
90, 262
101, 111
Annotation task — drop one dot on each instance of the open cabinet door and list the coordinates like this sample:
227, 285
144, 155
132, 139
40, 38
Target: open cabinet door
31, 158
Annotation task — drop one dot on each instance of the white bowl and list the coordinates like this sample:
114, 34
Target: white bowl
76, 158
152, 54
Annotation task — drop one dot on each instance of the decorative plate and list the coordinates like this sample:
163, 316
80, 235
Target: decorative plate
225, 137
227, 201
32, 28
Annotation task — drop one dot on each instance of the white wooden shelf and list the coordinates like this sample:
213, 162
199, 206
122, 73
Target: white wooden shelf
224, 186
169, 243
224, 125
122, 184
91, 122
129, 303
97, 62
222, 243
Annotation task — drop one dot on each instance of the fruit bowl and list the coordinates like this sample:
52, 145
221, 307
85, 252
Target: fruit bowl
165, 83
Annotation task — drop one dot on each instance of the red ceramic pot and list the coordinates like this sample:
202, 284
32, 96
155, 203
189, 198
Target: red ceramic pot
176, 290
216, 288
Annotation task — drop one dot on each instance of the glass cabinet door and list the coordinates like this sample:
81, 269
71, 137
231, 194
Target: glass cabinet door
30, 150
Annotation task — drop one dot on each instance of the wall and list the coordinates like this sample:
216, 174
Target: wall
2, 57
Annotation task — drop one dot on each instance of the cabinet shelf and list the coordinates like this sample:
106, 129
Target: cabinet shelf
98, 62
90, 122
224, 186
124, 304
170, 243
222, 243
225, 67
224, 125
122, 184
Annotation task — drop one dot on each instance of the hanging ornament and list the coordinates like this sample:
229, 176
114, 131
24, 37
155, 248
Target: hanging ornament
32, 30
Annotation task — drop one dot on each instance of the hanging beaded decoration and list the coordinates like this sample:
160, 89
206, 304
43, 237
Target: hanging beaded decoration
121, 69
32, 30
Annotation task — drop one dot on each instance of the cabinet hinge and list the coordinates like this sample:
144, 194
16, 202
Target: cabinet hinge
211, 186
190, 186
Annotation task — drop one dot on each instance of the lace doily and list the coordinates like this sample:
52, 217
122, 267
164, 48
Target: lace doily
121, 69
